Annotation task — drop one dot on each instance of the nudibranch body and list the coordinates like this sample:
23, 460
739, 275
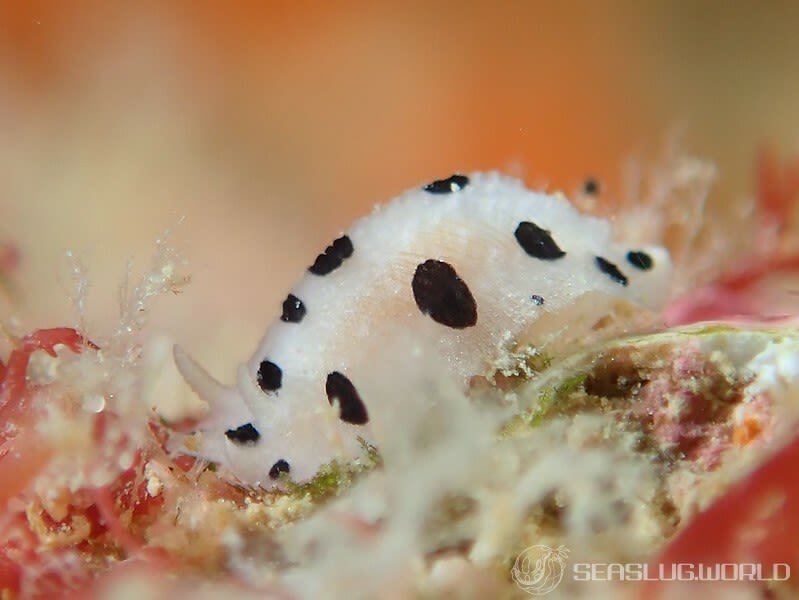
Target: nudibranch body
466, 265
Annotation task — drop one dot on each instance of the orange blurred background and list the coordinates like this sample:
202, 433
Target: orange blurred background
272, 125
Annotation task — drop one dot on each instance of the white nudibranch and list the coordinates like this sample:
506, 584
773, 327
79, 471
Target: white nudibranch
464, 264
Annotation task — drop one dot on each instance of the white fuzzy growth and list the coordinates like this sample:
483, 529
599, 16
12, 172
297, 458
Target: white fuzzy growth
353, 312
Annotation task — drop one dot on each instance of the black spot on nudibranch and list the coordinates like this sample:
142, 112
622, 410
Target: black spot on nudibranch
537, 300
537, 242
293, 309
590, 187
270, 376
640, 260
446, 186
440, 293
333, 256
353, 410
611, 270
279, 467
245, 435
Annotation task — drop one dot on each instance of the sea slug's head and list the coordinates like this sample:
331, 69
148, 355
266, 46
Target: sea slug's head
279, 442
